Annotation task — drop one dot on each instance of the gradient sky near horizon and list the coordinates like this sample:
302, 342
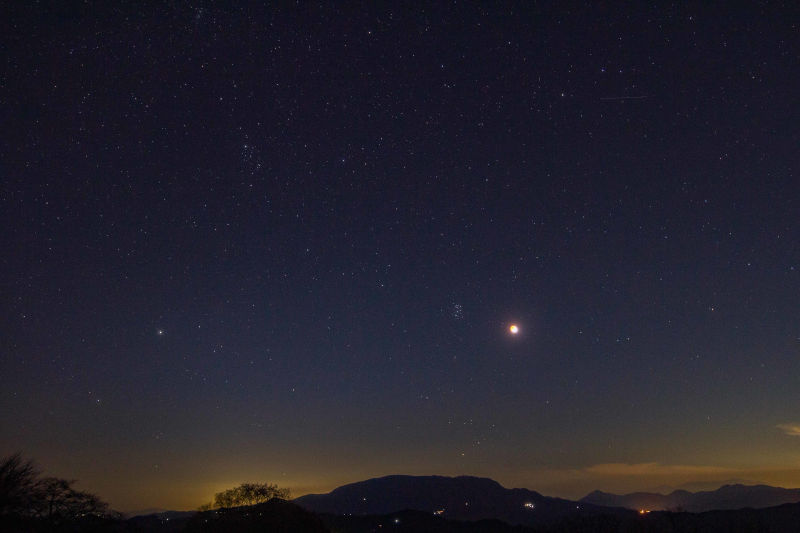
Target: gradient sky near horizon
287, 243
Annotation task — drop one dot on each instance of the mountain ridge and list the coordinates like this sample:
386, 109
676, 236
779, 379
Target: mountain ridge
726, 497
456, 498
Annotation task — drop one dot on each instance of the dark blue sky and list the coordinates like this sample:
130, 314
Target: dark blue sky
285, 244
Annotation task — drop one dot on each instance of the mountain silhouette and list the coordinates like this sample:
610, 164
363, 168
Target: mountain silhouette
453, 498
709, 486
724, 498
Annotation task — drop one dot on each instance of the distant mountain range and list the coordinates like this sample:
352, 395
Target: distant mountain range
724, 498
453, 498
699, 486
437, 504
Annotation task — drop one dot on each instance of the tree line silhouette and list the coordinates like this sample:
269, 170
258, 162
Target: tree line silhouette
29, 501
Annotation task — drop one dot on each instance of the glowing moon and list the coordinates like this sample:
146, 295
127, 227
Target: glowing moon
513, 329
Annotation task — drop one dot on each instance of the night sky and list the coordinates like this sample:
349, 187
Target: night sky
287, 244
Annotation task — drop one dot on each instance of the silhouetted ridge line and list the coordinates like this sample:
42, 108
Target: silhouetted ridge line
727, 497
457, 498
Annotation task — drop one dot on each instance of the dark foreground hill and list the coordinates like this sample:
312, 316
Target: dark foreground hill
726, 497
275, 516
781, 519
416, 521
280, 517
455, 498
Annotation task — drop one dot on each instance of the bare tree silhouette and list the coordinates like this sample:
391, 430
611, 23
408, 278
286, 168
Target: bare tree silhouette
18, 485
247, 494
27, 497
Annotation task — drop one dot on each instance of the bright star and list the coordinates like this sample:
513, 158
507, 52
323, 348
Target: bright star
513, 329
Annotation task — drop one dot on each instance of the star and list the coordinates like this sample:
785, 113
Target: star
513, 329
